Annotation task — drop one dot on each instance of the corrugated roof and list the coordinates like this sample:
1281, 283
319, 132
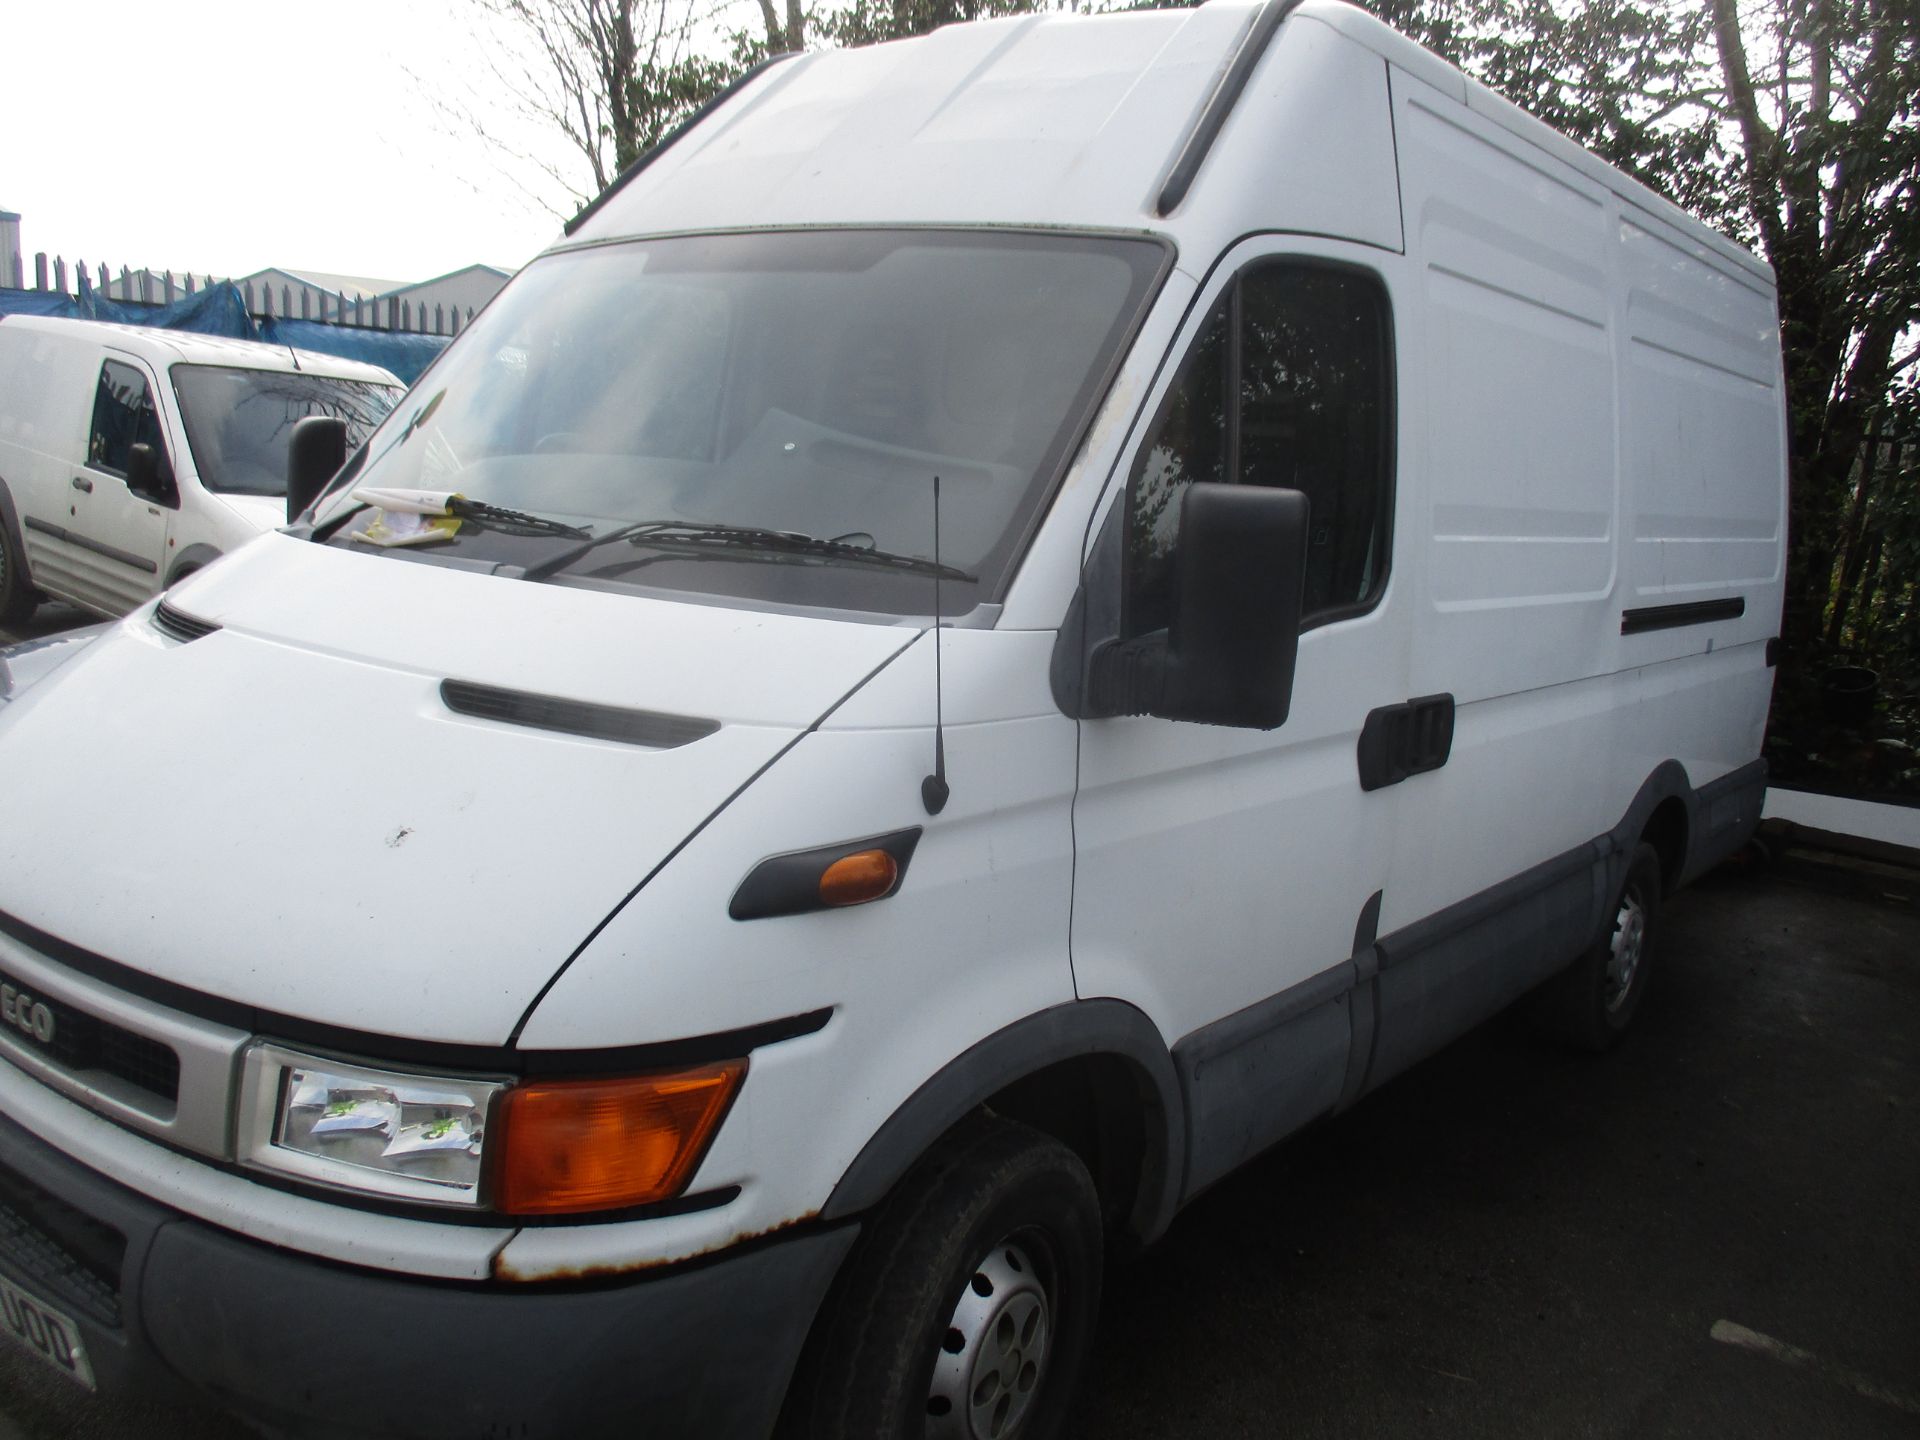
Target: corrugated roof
355, 287
502, 275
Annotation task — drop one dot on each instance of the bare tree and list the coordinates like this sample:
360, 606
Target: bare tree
782, 36
609, 77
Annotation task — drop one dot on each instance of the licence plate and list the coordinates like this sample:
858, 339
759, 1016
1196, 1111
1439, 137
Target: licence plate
45, 1331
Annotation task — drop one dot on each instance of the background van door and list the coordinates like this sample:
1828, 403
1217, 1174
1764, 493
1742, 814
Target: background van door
1221, 873
118, 537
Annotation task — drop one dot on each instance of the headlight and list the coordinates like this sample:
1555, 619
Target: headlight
409, 1137
533, 1147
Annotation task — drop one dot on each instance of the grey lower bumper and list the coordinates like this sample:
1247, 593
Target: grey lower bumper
312, 1349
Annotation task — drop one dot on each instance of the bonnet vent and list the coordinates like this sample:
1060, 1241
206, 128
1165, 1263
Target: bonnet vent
575, 717
180, 625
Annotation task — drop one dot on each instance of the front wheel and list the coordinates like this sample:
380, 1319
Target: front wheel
967, 1310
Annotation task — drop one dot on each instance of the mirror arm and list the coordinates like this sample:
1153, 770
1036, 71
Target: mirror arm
1128, 677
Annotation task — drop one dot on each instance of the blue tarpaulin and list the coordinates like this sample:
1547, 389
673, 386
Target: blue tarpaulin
219, 310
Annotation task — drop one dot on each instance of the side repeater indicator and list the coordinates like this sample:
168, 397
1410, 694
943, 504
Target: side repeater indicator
828, 877
857, 878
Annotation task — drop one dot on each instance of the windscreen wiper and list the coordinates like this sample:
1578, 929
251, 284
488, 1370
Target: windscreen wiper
510, 522
695, 536
482, 514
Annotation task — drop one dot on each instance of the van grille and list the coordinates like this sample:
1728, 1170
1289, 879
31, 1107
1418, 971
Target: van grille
65, 1254
78, 1042
180, 625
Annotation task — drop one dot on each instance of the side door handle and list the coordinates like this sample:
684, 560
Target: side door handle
80, 482
1405, 739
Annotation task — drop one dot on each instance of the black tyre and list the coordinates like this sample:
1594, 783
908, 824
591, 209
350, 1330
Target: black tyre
18, 599
967, 1309
1594, 1001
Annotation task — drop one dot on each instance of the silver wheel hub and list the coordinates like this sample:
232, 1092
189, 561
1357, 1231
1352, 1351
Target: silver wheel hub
1629, 944
994, 1354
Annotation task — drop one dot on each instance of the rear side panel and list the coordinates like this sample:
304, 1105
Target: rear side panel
1605, 441
46, 399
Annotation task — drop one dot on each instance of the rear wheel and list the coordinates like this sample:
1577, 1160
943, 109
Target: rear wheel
967, 1310
18, 599
1594, 1001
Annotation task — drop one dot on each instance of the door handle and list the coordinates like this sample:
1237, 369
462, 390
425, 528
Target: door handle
80, 482
1405, 739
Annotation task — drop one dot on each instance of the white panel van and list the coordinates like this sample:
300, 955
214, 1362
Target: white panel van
1010, 619
131, 457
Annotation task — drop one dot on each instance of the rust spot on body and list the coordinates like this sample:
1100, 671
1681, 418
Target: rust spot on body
502, 1270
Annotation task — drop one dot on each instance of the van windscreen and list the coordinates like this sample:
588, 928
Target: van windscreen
238, 421
710, 408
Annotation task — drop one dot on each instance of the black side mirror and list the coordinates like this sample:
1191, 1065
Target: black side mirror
148, 475
315, 452
1228, 656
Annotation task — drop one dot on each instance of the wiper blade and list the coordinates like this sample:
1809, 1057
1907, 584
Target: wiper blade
480, 513
511, 522
697, 535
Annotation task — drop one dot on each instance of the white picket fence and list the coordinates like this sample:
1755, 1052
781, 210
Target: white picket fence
297, 302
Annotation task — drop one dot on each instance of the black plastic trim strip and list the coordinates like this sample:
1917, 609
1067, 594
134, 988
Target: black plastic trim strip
620, 181
1262, 1073
399, 1050
1463, 915
1220, 105
1230, 1032
181, 626
124, 557
651, 728
789, 884
1673, 617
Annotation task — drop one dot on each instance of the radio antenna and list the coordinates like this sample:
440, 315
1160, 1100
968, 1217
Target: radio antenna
933, 789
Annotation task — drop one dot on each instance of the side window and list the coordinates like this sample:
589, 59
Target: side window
122, 418
1290, 384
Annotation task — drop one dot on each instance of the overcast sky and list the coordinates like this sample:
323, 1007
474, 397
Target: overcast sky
223, 137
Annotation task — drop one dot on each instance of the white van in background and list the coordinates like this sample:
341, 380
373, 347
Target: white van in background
85, 517
1011, 618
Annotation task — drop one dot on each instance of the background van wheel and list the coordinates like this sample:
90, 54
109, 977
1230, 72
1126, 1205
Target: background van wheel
967, 1309
18, 599
1593, 1001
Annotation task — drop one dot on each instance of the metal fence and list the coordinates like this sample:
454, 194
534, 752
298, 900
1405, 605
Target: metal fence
285, 301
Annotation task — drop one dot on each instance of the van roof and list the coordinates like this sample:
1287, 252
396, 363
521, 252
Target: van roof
1040, 120
165, 347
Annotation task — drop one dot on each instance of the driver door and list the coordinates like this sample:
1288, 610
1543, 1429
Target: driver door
1224, 877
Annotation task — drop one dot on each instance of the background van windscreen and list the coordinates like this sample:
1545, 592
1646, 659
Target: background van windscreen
239, 421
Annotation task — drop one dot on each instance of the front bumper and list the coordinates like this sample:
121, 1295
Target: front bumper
308, 1348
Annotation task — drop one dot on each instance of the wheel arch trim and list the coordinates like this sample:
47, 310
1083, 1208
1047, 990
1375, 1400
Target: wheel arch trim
1082, 1029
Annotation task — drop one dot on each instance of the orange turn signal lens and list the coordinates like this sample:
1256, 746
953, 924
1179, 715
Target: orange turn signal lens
574, 1145
860, 877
